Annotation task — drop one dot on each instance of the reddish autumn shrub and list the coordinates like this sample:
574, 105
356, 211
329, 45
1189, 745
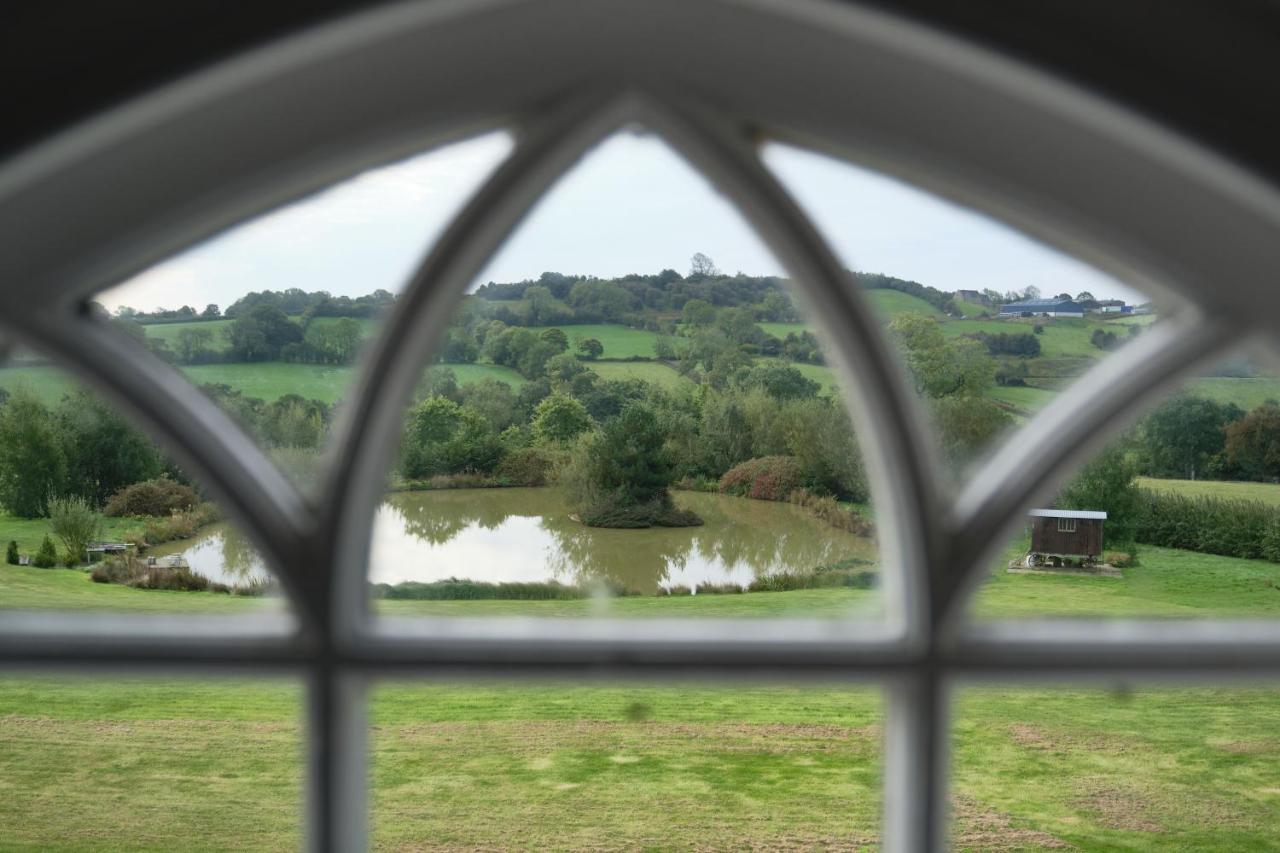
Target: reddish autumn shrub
767, 478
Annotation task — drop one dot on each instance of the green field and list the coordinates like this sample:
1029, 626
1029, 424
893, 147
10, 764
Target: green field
168, 332
649, 371
1245, 393
1268, 493
618, 341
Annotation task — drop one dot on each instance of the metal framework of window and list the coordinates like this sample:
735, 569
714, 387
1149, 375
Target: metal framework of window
291, 117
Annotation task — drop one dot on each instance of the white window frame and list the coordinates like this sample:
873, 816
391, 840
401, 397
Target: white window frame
107, 199
1066, 525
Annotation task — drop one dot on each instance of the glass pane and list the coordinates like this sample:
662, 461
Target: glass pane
94, 516
989, 323
269, 317
1178, 517
1089, 769
616, 436
625, 767
134, 764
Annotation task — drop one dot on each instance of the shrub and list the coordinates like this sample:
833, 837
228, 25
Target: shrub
130, 571
182, 525
679, 589
828, 510
455, 589
47, 556
612, 511
766, 478
75, 523
1231, 528
162, 497
1120, 559
527, 466
11, 555
845, 573
720, 589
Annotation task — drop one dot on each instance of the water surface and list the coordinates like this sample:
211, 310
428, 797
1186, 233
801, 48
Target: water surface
527, 535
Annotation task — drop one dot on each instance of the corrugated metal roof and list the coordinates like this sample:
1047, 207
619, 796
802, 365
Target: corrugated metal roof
1068, 513
1043, 305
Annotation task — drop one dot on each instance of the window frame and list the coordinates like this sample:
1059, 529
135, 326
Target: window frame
1085, 175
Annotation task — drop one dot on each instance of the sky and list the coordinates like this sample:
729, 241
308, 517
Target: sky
631, 205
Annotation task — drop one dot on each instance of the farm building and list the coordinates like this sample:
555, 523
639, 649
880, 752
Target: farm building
1067, 533
1042, 307
1114, 306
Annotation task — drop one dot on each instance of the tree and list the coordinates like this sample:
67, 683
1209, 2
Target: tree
1085, 296
103, 451
701, 266
33, 465
1031, 292
590, 349
195, 345
619, 477
559, 419
556, 338
261, 333
1107, 484
967, 426
698, 312
941, 367
1185, 436
47, 556
781, 381
1253, 443
76, 523
11, 555
211, 312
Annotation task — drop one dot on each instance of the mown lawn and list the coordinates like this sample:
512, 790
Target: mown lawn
1167, 583
158, 765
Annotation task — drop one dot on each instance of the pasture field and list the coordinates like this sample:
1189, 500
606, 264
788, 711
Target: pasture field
1268, 493
618, 341
1245, 393
268, 380
650, 371
1025, 398
168, 332
467, 373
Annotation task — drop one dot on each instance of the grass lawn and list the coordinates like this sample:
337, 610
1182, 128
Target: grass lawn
649, 371
1167, 583
632, 766
97, 765
618, 341
1268, 493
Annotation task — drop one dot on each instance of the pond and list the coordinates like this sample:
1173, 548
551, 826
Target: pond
527, 535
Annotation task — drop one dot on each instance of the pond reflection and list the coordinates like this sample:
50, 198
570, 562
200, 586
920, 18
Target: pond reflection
527, 535
220, 553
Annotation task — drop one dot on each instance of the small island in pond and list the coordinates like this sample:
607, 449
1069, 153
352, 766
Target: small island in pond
620, 475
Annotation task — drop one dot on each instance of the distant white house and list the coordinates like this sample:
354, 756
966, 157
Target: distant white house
1042, 308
